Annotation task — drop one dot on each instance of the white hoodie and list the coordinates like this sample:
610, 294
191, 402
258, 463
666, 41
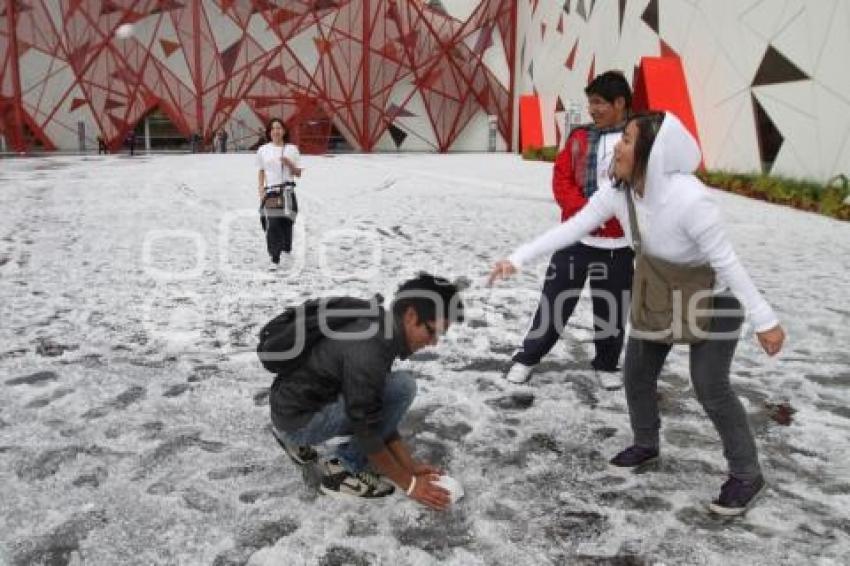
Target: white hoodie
678, 220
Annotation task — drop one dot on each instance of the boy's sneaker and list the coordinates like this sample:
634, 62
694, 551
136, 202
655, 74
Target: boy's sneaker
338, 482
635, 456
736, 496
301, 455
519, 373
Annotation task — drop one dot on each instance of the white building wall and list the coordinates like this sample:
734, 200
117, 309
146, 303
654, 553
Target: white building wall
722, 44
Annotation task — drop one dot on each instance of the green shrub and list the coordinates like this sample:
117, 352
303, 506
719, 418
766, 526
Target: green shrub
531, 153
832, 200
549, 153
803, 194
546, 153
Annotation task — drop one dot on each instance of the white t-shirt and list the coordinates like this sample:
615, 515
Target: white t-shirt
604, 155
268, 159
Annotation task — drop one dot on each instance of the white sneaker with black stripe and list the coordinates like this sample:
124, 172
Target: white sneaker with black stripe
338, 482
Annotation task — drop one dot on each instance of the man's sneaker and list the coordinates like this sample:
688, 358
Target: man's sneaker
301, 455
519, 373
635, 456
736, 496
338, 482
609, 380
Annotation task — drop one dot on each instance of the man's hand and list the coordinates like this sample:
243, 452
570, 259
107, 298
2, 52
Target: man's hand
501, 270
426, 493
771, 340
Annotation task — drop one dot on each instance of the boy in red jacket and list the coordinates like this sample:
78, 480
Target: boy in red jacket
604, 258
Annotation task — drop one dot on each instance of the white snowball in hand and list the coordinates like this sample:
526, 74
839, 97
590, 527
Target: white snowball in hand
452, 486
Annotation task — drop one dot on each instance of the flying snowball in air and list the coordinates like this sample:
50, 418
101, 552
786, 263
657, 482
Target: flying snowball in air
124, 31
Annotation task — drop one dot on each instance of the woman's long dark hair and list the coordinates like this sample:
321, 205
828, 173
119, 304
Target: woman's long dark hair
648, 124
269, 130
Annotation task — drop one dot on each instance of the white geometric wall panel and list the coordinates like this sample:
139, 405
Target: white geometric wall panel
769, 79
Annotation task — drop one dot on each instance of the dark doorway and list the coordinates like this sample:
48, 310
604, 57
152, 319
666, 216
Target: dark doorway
337, 142
164, 135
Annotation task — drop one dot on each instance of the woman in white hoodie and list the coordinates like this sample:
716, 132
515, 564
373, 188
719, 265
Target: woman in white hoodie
679, 223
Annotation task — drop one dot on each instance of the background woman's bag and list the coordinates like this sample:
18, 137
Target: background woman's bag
282, 200
288, 205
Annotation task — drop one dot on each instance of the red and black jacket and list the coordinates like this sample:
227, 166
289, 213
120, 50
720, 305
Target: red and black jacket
568, 181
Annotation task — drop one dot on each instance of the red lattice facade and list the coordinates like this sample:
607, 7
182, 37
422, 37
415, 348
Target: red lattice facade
377, 70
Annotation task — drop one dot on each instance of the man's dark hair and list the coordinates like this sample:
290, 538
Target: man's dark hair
431, 297
611, 85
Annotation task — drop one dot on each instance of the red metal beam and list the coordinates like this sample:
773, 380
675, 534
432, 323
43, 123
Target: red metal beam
366, 54
196, 75
16, 140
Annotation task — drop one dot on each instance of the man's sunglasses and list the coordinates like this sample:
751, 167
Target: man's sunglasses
432, 331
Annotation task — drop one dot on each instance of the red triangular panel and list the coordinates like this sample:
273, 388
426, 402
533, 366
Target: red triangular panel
571, 58
76, 103
168, 47
112, 104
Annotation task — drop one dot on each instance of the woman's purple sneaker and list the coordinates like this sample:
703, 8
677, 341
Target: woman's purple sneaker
635, 456
736, 496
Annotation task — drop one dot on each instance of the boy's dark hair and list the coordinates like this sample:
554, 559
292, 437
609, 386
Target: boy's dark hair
648, 124
431, 297
610, 85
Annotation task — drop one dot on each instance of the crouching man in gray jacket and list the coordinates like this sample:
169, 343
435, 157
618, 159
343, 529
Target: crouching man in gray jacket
346, 388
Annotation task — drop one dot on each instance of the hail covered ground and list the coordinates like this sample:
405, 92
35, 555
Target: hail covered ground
134, 425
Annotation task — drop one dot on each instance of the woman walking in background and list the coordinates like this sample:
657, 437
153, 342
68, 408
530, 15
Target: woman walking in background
674, 226
278, 166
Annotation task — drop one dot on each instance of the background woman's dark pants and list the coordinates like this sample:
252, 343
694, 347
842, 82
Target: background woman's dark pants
710, 362
610, 274
278, 230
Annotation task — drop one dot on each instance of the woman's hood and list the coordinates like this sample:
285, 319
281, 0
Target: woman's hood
674, 151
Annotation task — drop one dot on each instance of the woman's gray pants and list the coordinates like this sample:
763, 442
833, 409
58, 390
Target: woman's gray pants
710, 363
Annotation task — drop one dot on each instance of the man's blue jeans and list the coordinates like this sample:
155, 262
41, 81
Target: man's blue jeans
332, 422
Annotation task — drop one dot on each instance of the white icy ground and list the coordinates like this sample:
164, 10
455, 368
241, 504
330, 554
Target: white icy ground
134, 413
